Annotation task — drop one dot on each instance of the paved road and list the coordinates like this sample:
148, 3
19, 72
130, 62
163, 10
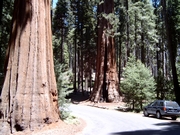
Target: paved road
109, 122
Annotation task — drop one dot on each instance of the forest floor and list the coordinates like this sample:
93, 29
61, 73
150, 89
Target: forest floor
76, 128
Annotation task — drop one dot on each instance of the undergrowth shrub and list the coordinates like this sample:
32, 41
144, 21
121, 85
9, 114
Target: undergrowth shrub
138, 84
64, 85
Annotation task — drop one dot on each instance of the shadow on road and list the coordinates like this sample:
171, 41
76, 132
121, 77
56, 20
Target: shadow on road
172, 128
154, 117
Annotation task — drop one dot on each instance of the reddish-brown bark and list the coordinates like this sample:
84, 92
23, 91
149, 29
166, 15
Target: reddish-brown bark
106, 81
29, 94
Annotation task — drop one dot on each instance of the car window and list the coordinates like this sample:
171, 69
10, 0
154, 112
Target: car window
158, 104
154, 104
171, 104
151, 104
161, 104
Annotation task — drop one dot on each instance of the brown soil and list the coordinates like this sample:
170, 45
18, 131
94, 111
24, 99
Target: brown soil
62, 128
59, 128
81, 99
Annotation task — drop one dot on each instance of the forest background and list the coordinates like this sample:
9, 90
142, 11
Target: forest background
146, 30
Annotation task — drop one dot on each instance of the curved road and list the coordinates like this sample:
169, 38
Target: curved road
109, 122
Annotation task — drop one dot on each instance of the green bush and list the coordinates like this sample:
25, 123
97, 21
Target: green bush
137, 85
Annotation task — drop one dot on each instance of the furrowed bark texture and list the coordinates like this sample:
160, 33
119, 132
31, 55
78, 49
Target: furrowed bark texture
29, 95
172, 53
106, 86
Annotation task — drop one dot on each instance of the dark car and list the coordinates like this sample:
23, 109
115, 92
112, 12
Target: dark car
161, 108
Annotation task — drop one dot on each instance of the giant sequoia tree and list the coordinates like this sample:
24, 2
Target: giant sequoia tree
29, 94
106, 81
172, 33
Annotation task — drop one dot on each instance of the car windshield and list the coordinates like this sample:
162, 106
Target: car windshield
171, 104
150, 104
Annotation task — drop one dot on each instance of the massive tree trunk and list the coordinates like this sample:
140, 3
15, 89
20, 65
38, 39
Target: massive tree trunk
106, 85
29, 94
172, 50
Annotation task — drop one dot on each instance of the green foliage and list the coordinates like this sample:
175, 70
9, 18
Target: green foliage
57, 46
71, 119
64, 85
138, 84
114, 21
142, 22
178, 69
5, 28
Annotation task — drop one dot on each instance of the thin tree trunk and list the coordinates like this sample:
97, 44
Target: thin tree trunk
75, 62
135, 35
29, 95
120, 58
142, 45
90, 80
0, 54
81, 51
79, 68
82, 73
127, 30
157, 72
61, 45
1, 9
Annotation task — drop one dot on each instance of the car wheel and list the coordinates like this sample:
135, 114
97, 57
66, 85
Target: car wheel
174, 118
146, 113
158, 114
